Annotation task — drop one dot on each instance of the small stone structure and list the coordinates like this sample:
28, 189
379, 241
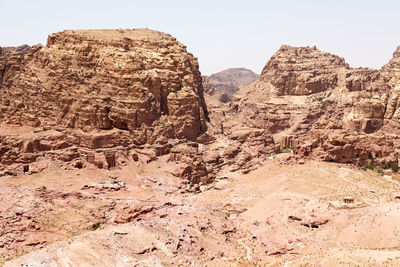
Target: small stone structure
288, 141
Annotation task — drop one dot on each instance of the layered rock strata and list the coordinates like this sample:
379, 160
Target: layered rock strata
102, 93
104, 79
327, 109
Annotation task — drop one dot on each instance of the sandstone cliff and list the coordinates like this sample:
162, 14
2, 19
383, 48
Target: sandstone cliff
99, 96
104, 79
313, 101
302, 70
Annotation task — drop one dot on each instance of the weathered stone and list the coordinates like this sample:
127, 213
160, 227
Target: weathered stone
302, 70
103, 79
110, 94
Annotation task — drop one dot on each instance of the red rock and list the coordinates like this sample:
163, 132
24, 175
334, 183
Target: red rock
106, 91
313, 101
302, 70
129, 214
90, 96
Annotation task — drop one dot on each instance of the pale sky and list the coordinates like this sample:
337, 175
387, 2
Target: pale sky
222, 34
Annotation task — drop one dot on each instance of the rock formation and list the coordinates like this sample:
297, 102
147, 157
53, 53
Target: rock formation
101, 90
100, 79
302, 70
15, 51
327, 109
394, 63
105, 158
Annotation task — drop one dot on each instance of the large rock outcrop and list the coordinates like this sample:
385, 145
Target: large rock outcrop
103, 79
394, 63
302, 70
104, 97
314, 102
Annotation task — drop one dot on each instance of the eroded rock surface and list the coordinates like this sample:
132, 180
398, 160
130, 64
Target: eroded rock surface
104, 79
98, 96
302, 70
307, 221
313, 102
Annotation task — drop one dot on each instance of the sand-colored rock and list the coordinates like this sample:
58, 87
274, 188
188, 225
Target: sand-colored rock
93, 96
104, 79
329, 110
302, 71
394, 63
108, 161
306, 222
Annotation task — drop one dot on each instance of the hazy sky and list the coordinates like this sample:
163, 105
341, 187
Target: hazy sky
225, 33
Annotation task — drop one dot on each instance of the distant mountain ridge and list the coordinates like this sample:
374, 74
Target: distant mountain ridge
225, 83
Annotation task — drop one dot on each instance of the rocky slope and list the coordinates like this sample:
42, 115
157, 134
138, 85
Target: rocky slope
318, 214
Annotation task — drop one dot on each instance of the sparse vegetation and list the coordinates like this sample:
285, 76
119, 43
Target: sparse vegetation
394, 166
287, 150
380, 169
369, 166
385, 166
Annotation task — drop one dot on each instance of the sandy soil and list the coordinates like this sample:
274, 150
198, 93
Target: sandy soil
278, 215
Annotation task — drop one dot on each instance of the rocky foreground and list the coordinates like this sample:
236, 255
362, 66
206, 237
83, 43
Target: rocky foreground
113, 154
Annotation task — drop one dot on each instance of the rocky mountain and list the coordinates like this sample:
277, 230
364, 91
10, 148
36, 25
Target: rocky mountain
314, 102
15, 51
114, 150
302, 71
224, 84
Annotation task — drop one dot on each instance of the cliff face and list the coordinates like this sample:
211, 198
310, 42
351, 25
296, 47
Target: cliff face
99, 97
302, 70
11, 57
103, 79
146, 87
313, 101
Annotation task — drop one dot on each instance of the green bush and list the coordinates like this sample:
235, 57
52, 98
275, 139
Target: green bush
286, 150
385, 166
369, 167
394, 166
